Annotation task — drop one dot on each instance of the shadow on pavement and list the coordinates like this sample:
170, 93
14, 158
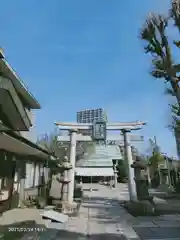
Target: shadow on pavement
16, 231
166, 203
160, 233
99, 201
105, 210
78, 236
53, 234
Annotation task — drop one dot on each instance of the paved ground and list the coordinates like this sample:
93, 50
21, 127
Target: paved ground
164, 226
102, 217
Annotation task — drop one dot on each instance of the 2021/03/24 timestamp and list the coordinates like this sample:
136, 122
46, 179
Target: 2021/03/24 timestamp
26, 229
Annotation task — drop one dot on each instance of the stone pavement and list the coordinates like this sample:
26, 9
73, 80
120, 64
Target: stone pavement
165, 227
102, 217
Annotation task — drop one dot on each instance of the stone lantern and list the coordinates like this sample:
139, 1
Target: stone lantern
141, 179
64, 179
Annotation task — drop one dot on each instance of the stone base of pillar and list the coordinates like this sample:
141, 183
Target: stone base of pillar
21, 204
69, 208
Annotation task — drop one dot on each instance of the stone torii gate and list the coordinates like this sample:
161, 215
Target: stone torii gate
99, 133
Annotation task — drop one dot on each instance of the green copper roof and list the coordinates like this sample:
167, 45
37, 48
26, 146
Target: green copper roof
101, 157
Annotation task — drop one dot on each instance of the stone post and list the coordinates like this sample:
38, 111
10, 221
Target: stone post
115, 172
129, 159
72, 159
115, 179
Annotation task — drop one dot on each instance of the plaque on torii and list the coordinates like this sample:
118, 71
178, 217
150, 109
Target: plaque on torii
99, 131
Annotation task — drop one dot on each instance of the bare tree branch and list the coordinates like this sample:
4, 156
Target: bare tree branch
175, 13
154, 34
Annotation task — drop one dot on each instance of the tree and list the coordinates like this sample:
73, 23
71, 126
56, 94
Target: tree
158, 45
121, 171
154, 161
175, 125
54, 147
49, 142
156, 156
154, 33
57, 149
175, 116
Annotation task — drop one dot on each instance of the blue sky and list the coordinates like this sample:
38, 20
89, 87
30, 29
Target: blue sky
82, 54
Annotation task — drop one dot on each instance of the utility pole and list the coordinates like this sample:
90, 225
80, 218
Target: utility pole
155, 140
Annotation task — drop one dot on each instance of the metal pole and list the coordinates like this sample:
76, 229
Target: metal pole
73, 134
155, 141
129, 159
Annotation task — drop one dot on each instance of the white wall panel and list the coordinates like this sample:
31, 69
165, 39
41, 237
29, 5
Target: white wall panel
37, 175
46, 174
29, 175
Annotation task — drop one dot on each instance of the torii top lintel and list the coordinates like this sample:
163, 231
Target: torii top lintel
110, 126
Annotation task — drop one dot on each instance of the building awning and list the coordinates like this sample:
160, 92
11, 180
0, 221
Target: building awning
20, 87
20, 146
92, 172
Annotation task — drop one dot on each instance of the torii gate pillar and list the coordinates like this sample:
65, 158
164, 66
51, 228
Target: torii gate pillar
129, 162
72, 159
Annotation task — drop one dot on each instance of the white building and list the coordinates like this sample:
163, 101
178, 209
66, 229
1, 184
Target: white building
18, 151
